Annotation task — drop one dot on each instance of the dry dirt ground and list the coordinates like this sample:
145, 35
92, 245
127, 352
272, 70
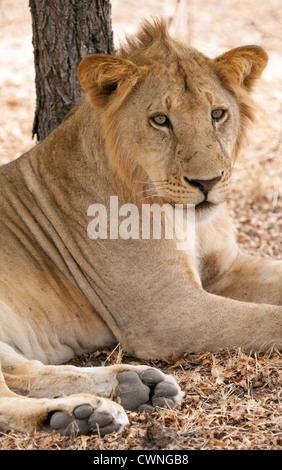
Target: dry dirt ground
232, 400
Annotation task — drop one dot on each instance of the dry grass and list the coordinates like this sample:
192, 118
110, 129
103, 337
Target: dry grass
232, 400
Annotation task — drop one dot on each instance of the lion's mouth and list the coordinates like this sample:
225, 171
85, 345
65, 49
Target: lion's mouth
201, 206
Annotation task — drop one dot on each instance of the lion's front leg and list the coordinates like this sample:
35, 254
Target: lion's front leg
58, 401
134, 387
45, 387
250, 279
73, 415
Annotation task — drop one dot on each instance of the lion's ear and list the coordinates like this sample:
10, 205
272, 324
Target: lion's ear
241, 66
101, 75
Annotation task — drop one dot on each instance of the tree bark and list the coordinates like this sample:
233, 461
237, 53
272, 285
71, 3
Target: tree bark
64, 32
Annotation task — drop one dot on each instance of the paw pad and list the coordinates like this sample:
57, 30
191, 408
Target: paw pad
85, 420
146, 390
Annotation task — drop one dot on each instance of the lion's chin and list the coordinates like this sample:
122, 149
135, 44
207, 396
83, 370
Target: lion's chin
205, 205
201, 206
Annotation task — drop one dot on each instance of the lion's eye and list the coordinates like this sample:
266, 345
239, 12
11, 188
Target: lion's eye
161, 120
218, 114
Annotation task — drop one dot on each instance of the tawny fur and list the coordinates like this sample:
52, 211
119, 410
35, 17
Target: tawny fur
63, 293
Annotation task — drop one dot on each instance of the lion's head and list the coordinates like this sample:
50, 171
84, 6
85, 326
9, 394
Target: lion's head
171, 116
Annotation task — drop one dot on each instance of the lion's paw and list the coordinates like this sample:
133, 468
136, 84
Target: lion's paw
144, 390
87, 419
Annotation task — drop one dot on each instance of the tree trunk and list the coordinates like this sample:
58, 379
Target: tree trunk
64, 32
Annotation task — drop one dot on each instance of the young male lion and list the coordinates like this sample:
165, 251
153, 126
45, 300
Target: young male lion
159, 121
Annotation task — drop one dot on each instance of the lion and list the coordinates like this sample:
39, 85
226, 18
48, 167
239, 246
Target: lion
159, 124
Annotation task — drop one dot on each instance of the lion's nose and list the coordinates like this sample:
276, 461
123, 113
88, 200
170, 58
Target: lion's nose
204, 185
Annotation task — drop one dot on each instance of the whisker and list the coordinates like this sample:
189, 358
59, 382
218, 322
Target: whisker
152, 193
144, 182
151, 182
160, 187
151, 189
239, 168
148, 197
145, 190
